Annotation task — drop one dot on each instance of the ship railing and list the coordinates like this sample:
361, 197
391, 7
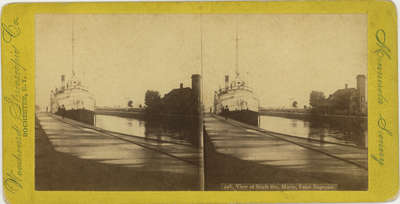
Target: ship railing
225, 90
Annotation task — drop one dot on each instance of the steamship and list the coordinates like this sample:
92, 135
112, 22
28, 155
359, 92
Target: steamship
73, 100
237, 100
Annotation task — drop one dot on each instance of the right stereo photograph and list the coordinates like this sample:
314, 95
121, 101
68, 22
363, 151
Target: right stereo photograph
285, 102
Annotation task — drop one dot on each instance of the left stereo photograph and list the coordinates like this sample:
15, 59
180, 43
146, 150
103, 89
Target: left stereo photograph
118, 103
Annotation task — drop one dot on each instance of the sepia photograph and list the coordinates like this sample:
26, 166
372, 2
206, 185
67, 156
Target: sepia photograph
118, 102
201, 102
285, 102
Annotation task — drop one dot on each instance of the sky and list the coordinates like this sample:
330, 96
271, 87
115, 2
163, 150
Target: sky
283, 57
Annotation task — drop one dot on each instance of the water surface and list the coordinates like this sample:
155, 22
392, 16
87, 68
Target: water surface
173, 130
350, 131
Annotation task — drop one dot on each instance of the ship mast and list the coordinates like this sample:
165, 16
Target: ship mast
72, 46
237, 51
201, 43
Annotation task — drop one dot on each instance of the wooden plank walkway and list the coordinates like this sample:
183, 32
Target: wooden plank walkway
322, 162
156, 159
180, 150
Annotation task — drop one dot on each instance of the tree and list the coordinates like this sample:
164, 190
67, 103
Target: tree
130, 104
152, 98
317, 99
342, 100
153, 103
294, 104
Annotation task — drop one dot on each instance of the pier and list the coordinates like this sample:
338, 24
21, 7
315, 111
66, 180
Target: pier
237, 153
73, 155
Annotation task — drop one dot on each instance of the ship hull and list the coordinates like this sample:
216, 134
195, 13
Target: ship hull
81, 115
244, 116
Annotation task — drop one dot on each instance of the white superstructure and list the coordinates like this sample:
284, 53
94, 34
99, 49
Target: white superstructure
236, 96
73, 95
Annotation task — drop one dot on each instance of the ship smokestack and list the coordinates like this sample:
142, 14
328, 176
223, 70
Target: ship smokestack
361, 87
226, 81
181, 85
63, 81
196, 84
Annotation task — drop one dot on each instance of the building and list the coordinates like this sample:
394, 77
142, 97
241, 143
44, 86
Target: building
182, 101
346, 101
350, 100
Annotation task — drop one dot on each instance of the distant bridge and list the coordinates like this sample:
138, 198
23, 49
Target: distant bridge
122, 112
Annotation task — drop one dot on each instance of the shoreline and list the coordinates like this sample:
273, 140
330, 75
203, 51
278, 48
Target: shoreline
308, 116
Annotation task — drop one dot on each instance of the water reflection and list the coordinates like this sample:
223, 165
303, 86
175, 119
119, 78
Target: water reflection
182, 130
122, 125
352, 131
87, 144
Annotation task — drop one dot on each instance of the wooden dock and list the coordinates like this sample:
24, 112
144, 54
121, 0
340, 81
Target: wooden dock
75, 156
234, 153
295, 159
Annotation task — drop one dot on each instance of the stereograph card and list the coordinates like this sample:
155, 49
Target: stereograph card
200, 102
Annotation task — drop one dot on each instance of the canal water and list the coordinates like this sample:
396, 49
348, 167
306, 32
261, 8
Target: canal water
349, 131
172, 130
343, 131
